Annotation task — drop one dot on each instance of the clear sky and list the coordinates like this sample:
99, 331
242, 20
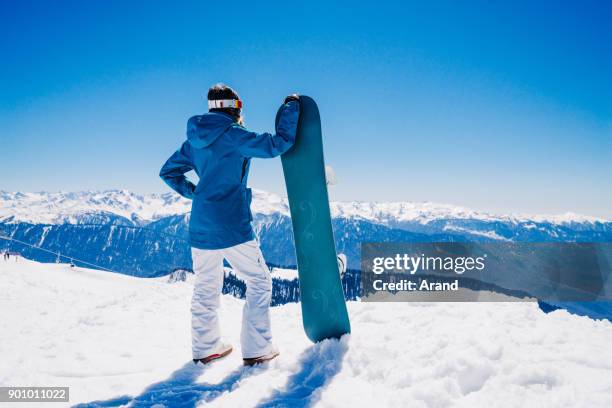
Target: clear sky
499, 107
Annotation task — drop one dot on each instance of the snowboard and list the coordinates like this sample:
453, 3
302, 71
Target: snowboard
324, 311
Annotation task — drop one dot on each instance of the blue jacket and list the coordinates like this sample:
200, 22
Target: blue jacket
219, 151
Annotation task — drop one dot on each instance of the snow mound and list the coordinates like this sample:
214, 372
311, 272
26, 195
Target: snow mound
282, 273
116, 340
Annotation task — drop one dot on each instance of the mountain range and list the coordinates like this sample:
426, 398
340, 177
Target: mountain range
146, 234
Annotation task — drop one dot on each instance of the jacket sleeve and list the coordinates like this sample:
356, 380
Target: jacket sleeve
173, 171
266, 145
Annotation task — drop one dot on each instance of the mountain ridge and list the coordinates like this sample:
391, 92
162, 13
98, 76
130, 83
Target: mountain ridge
141, 209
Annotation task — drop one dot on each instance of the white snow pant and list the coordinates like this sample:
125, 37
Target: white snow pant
248, 263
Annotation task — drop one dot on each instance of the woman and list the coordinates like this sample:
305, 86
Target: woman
219, 149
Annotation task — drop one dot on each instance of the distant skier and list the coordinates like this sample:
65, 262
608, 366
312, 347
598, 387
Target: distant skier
219, 149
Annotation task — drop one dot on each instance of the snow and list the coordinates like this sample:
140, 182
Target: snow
114, 338
62, 207
427, 212
486, 234
281, 273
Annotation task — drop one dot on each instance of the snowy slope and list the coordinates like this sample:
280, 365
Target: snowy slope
114, 338
282, 273
62, 207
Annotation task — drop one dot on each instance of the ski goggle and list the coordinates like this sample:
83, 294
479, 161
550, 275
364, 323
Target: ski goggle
225, 103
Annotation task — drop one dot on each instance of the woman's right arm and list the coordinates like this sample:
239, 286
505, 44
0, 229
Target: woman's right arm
173, 171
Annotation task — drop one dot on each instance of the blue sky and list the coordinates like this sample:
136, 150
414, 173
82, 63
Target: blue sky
499, 107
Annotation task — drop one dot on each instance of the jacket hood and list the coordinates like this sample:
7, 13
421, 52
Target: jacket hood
204, 130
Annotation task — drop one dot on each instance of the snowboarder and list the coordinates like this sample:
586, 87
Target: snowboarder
219, 149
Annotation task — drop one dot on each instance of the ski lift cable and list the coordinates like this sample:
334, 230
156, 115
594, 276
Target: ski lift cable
112, 226
127, 227
56, 253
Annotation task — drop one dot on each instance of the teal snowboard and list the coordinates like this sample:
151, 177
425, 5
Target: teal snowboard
323, 306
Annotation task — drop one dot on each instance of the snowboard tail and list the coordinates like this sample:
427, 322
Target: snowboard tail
324, 310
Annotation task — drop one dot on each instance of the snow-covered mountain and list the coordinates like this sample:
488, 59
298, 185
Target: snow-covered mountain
80, 207
146, 235
84, 206
123, 341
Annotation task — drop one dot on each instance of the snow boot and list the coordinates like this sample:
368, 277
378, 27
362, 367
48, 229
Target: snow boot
261, 359
224, 350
